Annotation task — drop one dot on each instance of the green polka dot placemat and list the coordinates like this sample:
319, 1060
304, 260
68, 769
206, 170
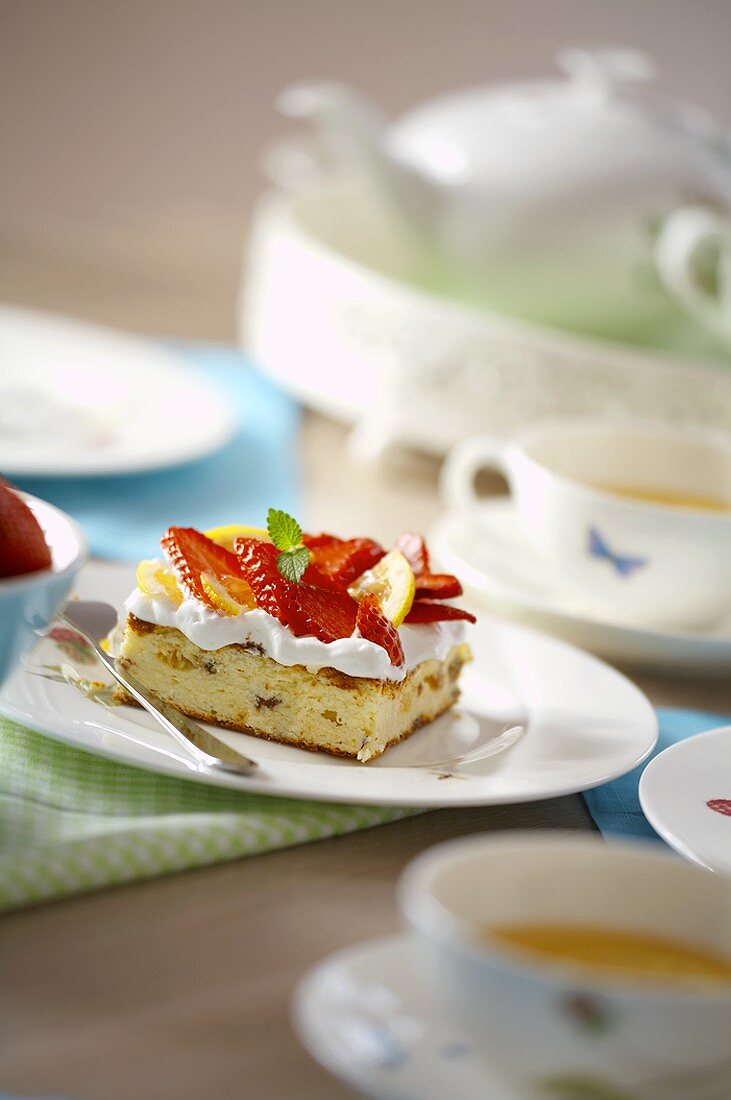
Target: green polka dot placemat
72, 822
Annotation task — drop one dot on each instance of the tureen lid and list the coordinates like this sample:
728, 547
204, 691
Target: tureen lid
592, 124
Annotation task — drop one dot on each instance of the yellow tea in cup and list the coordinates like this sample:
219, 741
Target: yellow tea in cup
669, 497
633, 956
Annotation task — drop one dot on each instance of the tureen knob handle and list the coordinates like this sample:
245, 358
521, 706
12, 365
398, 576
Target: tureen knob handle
605, 70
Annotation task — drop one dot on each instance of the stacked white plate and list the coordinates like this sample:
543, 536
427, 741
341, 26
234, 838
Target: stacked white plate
81, 400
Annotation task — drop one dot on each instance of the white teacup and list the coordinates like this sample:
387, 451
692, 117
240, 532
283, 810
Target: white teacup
553, 1030
635, 559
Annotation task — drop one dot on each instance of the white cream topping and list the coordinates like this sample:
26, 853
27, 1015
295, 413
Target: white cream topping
354, 656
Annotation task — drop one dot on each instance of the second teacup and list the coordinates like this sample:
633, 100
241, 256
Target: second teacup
549, 1025
637, 516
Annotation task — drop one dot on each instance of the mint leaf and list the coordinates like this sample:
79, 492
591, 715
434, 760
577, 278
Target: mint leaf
292, 563
284, 531
286, 534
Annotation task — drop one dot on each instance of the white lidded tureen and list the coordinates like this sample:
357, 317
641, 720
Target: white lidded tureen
582, 202
570, 204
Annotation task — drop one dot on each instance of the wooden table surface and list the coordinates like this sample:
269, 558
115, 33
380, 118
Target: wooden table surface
179, 988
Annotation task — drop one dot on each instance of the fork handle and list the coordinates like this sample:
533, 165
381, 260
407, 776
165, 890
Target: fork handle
207, 750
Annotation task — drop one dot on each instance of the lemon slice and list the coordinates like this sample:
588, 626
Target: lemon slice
392, 582
231, 598
225, 536
154, 579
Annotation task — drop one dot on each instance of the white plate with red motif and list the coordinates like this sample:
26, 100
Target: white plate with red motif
685, 793
537, 719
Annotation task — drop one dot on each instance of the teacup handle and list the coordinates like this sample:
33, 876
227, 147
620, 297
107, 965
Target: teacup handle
682, 236
461, 467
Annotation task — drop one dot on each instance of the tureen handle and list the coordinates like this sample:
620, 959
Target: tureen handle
684, 237
603, 71
357, 132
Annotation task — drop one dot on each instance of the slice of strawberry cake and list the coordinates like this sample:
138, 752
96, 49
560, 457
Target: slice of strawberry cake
313, 640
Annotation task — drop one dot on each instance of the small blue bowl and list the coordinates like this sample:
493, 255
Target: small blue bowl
28, 603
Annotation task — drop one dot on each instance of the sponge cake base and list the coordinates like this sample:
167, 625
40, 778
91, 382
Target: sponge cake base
239, 687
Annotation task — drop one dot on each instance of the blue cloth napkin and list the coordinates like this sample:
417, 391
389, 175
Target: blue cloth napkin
615, 807
124, 516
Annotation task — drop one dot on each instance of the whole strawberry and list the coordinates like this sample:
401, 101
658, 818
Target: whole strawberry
23, 546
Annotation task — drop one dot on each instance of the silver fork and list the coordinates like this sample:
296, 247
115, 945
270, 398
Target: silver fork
94, 621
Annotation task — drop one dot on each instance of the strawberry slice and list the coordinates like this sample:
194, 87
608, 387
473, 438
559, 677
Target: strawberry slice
375, 627
437, 586
317, 606
23, 546
437, 613
273, 593
190, 554
323, 540
343, 559
314, 576
413, 548
328, 615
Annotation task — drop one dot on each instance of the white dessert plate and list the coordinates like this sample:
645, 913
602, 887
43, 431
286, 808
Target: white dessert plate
77, 400
537, 719
369, 1017
502, 572
685, 794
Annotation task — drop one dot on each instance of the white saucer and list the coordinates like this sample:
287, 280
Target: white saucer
367, 1016
676, 789
500, 569
536, 719
78, 400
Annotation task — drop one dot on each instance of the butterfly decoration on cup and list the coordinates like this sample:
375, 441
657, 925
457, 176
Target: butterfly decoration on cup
624, 564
